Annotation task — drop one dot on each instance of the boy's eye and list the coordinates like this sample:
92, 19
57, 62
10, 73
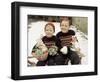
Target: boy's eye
46, 30
64, 25
49, 30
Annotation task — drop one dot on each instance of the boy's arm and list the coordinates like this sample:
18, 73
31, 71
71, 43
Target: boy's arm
58, 43
71, 32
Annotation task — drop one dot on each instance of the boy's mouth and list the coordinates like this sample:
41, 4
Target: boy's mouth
64, 30
49, 35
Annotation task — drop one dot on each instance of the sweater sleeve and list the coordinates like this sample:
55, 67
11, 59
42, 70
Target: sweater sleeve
72, 32
58, 43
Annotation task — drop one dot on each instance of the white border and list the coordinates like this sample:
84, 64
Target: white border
24, 70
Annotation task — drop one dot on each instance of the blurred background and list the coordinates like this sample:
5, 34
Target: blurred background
36, 24
80, 23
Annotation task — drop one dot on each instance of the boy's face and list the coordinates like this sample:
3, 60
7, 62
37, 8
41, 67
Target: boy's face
64, 26
49, 31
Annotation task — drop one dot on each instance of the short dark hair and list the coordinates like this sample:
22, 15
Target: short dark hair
51, 24
66, 19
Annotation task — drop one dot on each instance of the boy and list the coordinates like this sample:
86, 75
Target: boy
65, 38
51, 42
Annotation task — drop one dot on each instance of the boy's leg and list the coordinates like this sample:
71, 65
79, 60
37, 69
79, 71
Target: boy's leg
41, 63
51, 61
59, 59
66, 61
73, 56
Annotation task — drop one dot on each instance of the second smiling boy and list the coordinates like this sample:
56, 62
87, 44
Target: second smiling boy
65, 39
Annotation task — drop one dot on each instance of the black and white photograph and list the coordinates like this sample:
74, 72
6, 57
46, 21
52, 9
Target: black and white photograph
59, 41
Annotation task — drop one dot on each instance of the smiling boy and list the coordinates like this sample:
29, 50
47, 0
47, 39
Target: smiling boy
65, 39
51, 43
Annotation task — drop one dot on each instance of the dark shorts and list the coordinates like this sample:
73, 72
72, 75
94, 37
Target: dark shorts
63, 59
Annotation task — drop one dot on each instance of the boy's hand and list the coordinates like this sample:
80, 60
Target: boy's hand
73, 40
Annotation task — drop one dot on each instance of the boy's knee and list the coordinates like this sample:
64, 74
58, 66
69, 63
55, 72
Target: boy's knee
59, 60
51, 62
75, 58
40, 63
